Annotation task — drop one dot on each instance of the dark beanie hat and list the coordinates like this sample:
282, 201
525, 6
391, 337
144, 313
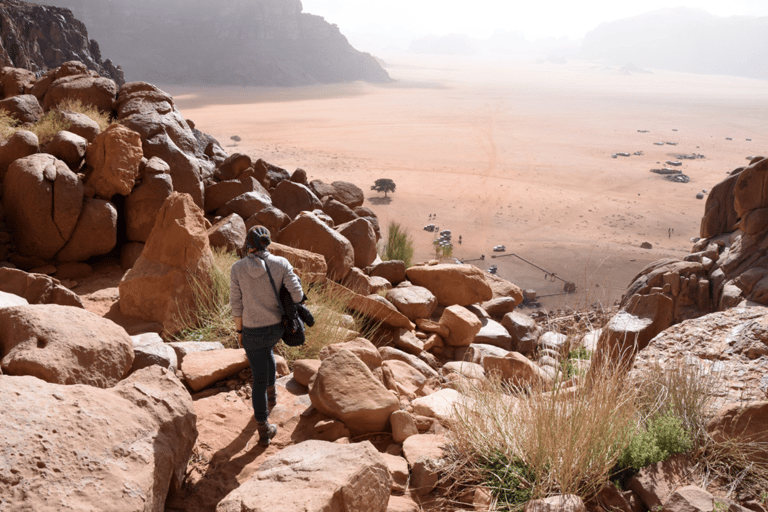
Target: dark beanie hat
258, 238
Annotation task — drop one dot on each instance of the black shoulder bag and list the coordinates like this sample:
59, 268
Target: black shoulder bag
293, 315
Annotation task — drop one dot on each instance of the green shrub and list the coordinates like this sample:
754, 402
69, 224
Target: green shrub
509, 480
399, 244
664, 437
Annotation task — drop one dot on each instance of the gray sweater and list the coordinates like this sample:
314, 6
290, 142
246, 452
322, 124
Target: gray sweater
250, 292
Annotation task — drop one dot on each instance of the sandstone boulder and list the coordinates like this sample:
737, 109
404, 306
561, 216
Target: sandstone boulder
309, 266
373, 306
305, 369
246, 205
95, 233
232, 167
113, 161
81, 124
523, 330
403, 379
392, 270
500, 306
37, 288
24, 108
516, 369
393, 354
153, 352
271, 218
452, 284
361, 235
228, 233
164, 133
202, 369
97, 91
368, 214
462, 326
14, 81
339, 212
293, 198
158, 287
348, 194
219, 194
424, 453
145, 201
345, 388
42, 200
413, 301
64, 345
503, 288
361, 347
745, 425
68, 147
493, 333
316, 475
357, 281
439, 405
139, 435
21, 144
309, 233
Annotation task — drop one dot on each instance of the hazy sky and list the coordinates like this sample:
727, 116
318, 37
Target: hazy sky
480, 18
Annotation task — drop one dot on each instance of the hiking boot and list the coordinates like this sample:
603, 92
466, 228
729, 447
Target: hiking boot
271, 396
266, 432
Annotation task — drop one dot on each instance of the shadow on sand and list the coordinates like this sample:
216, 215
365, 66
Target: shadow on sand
379, 201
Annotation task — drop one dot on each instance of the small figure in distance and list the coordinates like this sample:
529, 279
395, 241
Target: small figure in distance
257, 318
459, 239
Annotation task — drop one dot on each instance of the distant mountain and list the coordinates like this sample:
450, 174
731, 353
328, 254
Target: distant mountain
237, 42
40, 39
686, 40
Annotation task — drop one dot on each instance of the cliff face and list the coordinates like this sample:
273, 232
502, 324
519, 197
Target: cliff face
239, 42
42, 38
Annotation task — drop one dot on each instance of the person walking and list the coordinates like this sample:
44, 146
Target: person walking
257, 318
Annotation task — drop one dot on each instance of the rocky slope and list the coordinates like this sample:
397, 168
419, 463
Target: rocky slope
42, 38
241, 42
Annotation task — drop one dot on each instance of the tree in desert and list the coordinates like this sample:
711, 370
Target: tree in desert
236, 138
384, 185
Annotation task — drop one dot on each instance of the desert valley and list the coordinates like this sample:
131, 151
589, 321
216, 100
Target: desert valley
511, 152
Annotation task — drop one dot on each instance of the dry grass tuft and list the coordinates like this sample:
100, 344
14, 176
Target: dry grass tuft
211, 317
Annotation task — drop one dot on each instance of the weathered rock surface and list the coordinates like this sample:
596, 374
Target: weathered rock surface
345, 388
308, 232
158, 287
64, 345
462, 325
229, 233
95, 233
21, 144
24, 108
413, 301
293, 198
316, 475
68, 147
204, 368
145, 201
113, 161
309, 266
42, 200
361, 235
37, 288
452, 284
118, 449
424, 453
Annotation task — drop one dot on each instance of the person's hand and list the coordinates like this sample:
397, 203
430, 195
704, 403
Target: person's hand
240, 340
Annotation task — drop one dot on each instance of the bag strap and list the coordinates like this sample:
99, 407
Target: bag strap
274, 288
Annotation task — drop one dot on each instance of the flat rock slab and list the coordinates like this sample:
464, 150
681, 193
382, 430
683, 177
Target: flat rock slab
316, 475
202, 369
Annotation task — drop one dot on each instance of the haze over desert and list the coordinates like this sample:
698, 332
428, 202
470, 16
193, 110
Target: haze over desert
511, 152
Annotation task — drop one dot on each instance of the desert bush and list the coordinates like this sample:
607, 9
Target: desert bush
211, 317
565, 441
49, 124
663, 437
399, 244
7, 124
75, 105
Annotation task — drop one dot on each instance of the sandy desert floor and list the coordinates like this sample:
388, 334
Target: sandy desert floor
514, 153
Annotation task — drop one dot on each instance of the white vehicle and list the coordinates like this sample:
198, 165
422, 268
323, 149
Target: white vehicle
499, 248
446, 232
493, 269
429, 227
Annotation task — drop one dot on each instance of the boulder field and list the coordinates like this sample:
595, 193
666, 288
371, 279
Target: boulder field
97, 419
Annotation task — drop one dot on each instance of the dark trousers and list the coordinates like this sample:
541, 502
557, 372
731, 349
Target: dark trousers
258, 343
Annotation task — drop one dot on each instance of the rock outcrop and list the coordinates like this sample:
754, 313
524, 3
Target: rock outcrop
40, 38
83, 448
254, 43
